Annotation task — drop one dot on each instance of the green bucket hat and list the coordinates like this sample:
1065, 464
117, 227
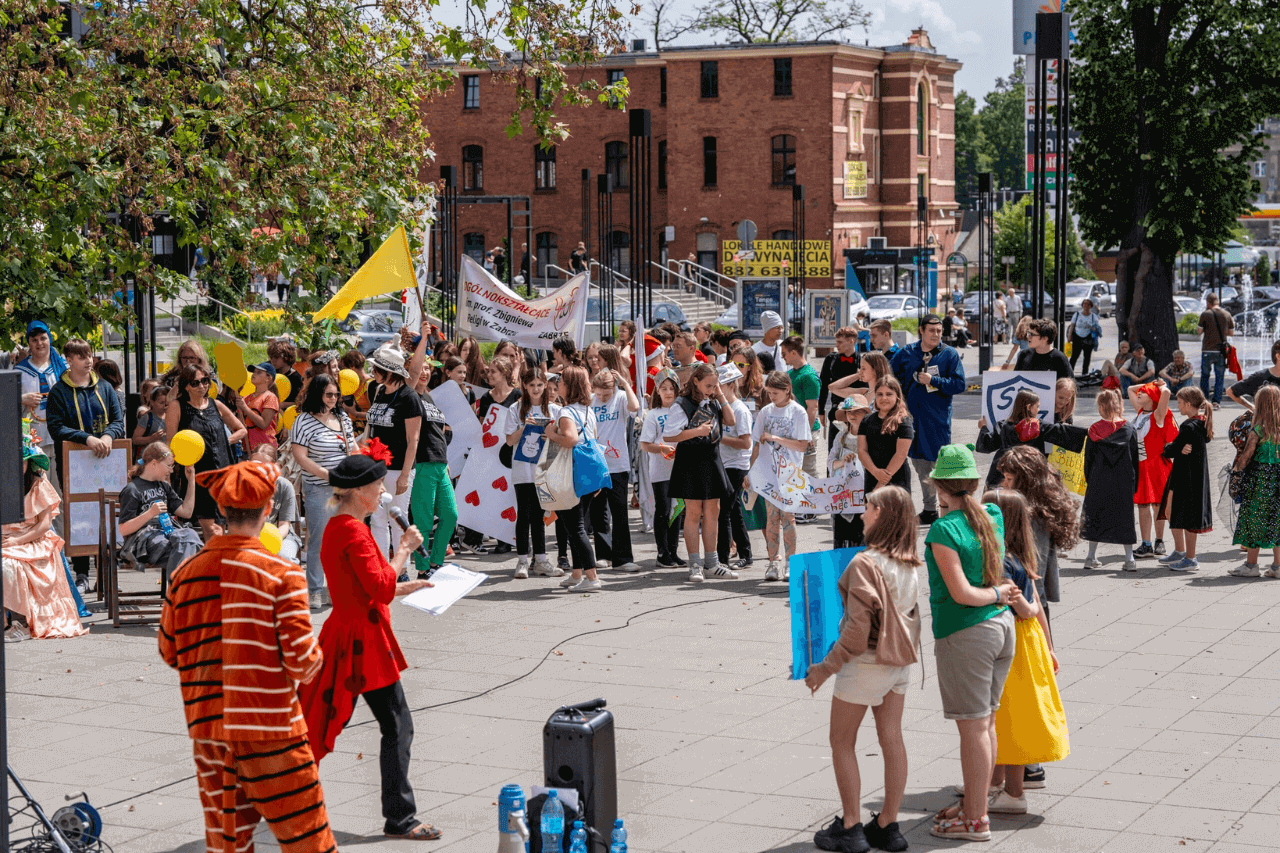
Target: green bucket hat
955, 462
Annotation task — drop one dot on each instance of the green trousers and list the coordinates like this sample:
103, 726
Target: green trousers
432, 498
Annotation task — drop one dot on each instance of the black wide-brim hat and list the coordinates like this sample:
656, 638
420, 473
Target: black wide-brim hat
356, 471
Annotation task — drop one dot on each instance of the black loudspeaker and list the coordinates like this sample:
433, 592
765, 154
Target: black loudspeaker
578, 752
984, 182
639, 122
449, 174
604, 183
11, 493
922, 208
1053, 35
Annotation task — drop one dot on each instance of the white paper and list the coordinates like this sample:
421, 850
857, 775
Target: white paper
462, 419
451, 583
568, 796
1001, 387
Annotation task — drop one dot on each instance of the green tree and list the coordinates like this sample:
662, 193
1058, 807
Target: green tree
971, 149
779, 20
1160, 90
1011, 241
1003, 126
1262, 271
274, 136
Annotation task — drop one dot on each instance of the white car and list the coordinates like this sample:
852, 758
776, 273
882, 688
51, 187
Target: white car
1184, 305
1097, 291
893, 306
729, 317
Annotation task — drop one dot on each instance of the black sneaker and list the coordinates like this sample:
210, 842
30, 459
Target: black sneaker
836, 837
563, 563
1159, 549
666, 563
928, 516
1144, 550
1033, 776
744, 563
884, 838
502, 548
679, 561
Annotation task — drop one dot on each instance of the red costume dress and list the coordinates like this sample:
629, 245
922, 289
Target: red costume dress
360, 651
1153, 468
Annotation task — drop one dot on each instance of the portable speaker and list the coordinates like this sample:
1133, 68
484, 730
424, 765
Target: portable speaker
11, 494
578, 752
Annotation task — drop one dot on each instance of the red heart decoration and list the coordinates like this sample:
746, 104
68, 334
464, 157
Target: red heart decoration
489, 440
509, 513
473, 499
500, 484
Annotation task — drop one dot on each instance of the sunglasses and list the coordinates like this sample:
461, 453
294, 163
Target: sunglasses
206, 381
740, 364
332, 394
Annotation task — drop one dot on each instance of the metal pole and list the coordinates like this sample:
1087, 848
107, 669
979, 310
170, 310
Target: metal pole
1062, 211
1042, 188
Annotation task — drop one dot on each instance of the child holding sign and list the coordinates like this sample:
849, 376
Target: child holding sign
531, 410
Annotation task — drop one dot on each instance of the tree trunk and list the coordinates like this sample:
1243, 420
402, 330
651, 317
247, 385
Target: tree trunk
1144, 297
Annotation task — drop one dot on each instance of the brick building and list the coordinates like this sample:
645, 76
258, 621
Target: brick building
865, 130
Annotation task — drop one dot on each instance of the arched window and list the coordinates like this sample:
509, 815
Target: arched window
784, 160
922, 120
615, 163
785, 234
547, 253
473, 245
472, 167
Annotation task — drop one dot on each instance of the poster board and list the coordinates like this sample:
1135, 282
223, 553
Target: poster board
825, 312
1001, 387
756, 296
83, 475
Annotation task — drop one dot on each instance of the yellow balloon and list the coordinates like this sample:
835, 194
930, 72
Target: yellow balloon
282, 386
187, 447
288, 416
270, 537
348, 382
248, 388
213, 388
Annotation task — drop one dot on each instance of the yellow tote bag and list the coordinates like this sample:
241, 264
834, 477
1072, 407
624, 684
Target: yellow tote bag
1031, 725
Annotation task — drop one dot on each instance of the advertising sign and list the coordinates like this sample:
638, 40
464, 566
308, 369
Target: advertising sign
756, 296
775, 258
855, 179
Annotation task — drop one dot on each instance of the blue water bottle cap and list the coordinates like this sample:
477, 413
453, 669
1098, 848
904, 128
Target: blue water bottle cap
617, 823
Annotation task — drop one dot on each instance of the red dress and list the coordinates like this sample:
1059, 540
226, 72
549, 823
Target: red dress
360, 651
1153, 468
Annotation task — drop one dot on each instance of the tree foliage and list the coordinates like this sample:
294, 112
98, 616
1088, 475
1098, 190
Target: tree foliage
273, 135
971, 150
1162, 91
1011, 228
991, 138
779, 20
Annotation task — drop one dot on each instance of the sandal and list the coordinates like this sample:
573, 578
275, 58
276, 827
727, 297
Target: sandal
419, 832
961, 829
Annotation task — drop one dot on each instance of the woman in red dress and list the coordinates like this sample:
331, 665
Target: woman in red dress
361, 655
1156, 427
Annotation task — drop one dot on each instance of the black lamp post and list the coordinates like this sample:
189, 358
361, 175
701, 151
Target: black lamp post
797, 255
604, 230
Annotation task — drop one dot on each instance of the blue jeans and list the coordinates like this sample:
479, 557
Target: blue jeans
1178, 386
1219, 365
315, 502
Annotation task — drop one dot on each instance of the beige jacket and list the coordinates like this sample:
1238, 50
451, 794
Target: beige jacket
872, 620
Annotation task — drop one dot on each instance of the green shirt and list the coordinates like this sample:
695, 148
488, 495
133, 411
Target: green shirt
806, 386
953, 531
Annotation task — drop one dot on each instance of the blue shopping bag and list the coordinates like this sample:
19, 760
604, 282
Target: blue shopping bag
816, 606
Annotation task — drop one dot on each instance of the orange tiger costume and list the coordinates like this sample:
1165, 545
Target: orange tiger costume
237, 627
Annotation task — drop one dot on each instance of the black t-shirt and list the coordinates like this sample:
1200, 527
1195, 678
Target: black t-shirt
1053, 360
295, 385
482, 408
882, 447
1252, 384
432, 444
139, 494
388, 413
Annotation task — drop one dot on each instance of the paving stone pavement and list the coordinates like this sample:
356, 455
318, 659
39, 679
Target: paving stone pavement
1171, 684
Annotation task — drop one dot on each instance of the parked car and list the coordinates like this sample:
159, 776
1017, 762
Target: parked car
893, 306
729, 317
372, 327
1184, 305
1258, 322
1258, 296
663, 312
970, 304
1078, 291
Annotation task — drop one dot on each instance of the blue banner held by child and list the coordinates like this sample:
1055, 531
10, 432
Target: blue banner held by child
816, 606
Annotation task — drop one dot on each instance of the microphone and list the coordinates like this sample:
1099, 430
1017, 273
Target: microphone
401, 519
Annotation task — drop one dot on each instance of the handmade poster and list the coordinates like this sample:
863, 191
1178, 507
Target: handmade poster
1000, 388
461, 418
783, 484
485, 495
529, 447
493, 312
1071, 467
816, 605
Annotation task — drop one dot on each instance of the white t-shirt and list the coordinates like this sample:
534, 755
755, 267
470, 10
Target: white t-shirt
652, 431
524, 472
790, 421
611, 431
761, 348
581, 419
739, 460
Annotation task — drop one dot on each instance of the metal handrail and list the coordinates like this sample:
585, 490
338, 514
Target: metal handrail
614, 273
716, 293
733, 282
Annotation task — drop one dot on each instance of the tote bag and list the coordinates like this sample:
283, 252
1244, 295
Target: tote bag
553, 478
590, 471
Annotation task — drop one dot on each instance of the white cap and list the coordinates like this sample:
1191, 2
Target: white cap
770, 320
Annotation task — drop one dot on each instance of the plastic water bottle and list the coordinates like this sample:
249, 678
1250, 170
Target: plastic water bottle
552, 823
578, 839
619, 837
166, 523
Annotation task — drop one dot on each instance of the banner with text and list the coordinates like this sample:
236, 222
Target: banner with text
491, 311
775, 257
783, 484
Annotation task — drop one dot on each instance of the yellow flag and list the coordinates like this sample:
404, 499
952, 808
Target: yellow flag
390, 270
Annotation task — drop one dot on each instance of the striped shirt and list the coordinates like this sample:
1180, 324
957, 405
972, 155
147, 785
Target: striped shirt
237, 627
326, 447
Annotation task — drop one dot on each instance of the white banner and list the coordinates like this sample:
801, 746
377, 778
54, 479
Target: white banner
491, 311
782, 483
1000, 388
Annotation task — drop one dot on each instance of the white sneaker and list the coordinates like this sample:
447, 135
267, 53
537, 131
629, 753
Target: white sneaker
695, 569
719, 570
1248, 570
316, 601
991, 791
771, 573
1002, 803
522, 567
629, 568
587, 585
602, 564
1130, 565
1093, 564
542, 566
570, 581
1273, 572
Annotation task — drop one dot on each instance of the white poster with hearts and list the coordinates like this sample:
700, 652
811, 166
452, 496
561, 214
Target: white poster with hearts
461, 418
485, 496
